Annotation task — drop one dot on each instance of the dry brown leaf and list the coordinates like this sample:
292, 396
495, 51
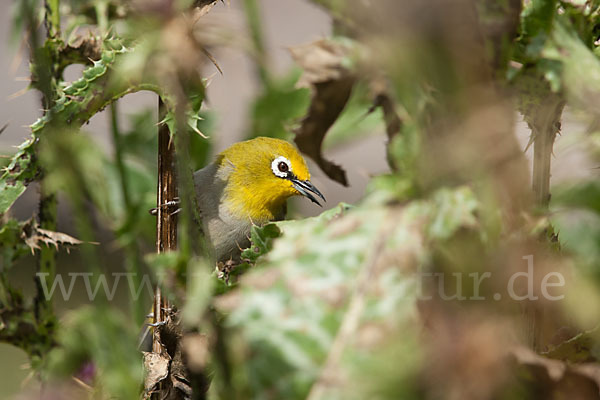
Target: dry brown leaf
380, 91
202, 7
331, 83
576, 347
157, 368
555, 368
321, 61
577, 381
85, 47
33, 236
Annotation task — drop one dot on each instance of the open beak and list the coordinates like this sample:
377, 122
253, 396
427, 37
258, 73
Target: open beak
306, 188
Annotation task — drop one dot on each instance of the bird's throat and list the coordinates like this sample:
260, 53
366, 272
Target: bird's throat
258, 206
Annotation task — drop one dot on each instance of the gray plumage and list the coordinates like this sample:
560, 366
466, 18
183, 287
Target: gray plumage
226, 234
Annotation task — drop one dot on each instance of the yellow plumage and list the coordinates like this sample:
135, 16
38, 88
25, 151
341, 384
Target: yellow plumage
247, 184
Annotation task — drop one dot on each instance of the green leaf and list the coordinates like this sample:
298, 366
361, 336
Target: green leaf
11, 242
331, 280
105, 341
582, 195
579, 234
580, 67
355, 121
454, 209
537, 18
200, 286
74, 165
75, 105
578, 349
278, 107
9, 193
19, 172
292, 306
260, 241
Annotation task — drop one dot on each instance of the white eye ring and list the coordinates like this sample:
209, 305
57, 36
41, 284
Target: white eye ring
275, 167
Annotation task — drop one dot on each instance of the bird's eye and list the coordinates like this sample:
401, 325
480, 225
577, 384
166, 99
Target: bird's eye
283, 167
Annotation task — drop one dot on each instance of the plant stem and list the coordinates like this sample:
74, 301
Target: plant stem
132, 262
47, 209
166, 229
255, 26
114, 124
101, 8
544, 129
47, 259
53, 18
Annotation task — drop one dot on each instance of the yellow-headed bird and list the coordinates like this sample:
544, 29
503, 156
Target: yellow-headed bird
247, 184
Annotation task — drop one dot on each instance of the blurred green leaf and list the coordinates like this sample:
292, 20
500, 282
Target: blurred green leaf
74, 164
580, 348
584, 195
105, 340
200, 148
141, 141
292, 309
17, 174
580, 234
200, 285
580, 67
11, 242
260, 241
355, 120
579, 231
536, 22
278, 107
404, 153
456, 208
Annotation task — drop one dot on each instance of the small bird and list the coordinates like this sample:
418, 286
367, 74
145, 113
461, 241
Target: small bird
247, 184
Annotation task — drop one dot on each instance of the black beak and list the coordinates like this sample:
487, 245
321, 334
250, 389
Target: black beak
305, 188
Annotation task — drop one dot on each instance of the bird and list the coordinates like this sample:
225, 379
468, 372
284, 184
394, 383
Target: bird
248, 184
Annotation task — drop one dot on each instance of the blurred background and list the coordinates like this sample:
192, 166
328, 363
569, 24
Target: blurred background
286, 23
358, 145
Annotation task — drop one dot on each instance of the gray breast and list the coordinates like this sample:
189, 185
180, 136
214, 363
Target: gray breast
226, 234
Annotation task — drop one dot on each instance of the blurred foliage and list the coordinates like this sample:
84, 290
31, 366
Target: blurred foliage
83, 339
279, 105
335, 306
355, 121
294, 319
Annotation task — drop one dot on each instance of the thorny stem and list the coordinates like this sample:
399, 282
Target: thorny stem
544, 130
171, 170
47, 210
47, 259
166, 226
53, 18
167, 187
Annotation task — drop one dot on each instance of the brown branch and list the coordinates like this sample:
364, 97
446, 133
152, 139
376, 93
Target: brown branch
166, 230
167, 187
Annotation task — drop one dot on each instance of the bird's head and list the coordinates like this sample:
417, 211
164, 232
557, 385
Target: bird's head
262, 174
